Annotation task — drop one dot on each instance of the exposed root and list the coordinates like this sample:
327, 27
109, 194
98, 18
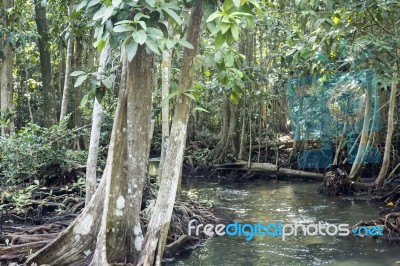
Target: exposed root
337, 183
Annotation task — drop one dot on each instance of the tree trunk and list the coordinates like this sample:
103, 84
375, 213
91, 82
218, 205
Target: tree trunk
49, 102
216, 153
91, 165
362, 148
120, 238
158, 226
67, 78
6, 76
165, 77
79, 120
112, 216
390, 129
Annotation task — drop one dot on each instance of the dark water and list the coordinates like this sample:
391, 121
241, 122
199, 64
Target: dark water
289, 202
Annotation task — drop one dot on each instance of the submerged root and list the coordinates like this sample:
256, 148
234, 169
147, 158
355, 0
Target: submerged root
337, 183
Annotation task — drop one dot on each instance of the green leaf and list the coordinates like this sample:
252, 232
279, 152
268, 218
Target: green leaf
318, 23
77, 73
152, 46
99, 14
170, 43
236, 3
190, 95
131, 50
219, 40
229, 59
169, 97
185, 43
139, 36
123, 22
218, 57
235, 31
107, 13
92, 3
213, 16
200, 109
155, 33
173, 15
81, 5
139, 15
123, 28
80, 80
116, 3
224, 27
233, 98
84, 101
150, 2
108, 82
228, 4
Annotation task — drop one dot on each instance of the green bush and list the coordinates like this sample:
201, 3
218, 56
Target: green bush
34, 151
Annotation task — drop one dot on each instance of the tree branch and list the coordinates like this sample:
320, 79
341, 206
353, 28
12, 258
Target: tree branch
378, 24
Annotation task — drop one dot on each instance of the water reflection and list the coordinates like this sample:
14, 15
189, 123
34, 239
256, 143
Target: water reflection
289, 202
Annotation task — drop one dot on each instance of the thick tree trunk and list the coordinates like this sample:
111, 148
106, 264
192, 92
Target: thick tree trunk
158, 226
120, 237
112, 216
390, 129
6, 76
91, 165
68, 68
49, 102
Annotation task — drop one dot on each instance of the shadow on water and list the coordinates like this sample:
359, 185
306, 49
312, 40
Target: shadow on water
272, 201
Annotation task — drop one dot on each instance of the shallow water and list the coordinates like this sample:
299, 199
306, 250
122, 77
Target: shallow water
269, 201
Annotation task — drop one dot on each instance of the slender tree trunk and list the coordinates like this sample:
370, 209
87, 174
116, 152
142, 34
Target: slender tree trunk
68, 68
165, 76
6, 75
390, 129
49, 102
158, 226
217, 152
78, 92
91, 165
362, 149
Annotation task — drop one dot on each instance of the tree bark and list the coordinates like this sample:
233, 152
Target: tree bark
165, 77
390, 129
6, 75
159, 223
68, 68
49, 99
112, 215
91, 165
120, 237
362, 149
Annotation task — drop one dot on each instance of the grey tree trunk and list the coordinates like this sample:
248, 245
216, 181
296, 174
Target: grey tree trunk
91, 165
49, 99
165, 77
109, 228
6, 75
159, 223
68, 68
390, 129
362, 149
